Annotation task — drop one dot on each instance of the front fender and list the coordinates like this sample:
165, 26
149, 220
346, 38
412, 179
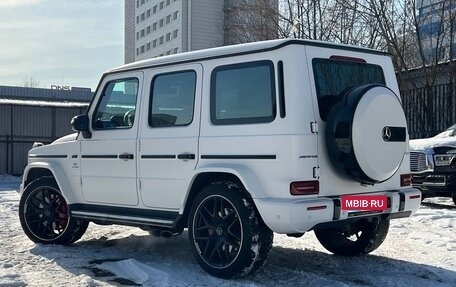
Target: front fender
59, 176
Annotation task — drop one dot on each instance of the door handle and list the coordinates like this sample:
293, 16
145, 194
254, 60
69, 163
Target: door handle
186, 156
126, 156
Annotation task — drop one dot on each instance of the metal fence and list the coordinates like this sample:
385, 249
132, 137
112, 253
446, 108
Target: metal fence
22, 125
429, 110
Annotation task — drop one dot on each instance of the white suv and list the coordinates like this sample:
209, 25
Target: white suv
233, 143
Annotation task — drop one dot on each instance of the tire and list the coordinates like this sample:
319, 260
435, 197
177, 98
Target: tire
453, 195
44, 214
360, 113
367, 236
227, 236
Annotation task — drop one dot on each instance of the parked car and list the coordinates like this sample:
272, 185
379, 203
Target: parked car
433, 163
233, 143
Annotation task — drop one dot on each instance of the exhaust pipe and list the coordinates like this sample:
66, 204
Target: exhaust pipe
166, 234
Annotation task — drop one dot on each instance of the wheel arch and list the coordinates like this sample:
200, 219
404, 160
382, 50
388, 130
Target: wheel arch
41, 169
240, 175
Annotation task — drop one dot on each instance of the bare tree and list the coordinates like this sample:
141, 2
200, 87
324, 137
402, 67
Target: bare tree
420, 35
250, 20
421, 44
340, 21
30, 82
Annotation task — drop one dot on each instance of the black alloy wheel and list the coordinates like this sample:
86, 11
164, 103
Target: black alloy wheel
217, 231
227, 236
354, 239
44, 214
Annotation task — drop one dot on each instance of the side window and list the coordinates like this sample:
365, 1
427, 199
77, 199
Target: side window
243, 93
116, 106
172, 99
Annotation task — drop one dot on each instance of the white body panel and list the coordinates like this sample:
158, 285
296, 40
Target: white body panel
105, 177
331, 181
289, 139
265, 157
165, 180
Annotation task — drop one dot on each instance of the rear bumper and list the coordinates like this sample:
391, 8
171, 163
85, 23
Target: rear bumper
301, 215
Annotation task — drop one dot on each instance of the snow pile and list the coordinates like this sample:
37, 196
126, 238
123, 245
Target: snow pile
6, 178
10, 279
137, 272
8, 182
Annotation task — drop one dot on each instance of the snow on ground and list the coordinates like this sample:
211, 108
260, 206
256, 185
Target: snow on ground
419, 251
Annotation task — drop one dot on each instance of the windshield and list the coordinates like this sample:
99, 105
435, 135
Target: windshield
333, 77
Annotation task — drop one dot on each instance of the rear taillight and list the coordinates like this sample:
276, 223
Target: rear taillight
305, 187
406, 179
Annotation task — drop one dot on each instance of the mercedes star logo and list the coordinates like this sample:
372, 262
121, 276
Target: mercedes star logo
386, 134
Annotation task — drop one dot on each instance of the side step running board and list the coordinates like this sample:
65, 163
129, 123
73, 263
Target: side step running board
124, 215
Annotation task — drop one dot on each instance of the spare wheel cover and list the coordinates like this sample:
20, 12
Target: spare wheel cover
379, 133
366, 133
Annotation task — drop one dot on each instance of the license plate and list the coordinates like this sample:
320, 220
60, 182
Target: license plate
365, 202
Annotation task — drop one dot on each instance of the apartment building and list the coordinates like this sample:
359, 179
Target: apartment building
156, 28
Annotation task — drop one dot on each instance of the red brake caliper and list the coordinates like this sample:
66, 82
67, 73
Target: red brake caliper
63, 213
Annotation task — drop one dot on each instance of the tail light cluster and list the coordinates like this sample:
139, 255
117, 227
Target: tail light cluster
313, 186
305, 187
406, 179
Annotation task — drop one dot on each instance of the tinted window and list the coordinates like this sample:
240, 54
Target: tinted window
173, 97
332, 77
117, 104
243, 93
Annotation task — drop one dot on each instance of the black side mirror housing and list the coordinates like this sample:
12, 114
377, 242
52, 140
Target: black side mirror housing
80, 123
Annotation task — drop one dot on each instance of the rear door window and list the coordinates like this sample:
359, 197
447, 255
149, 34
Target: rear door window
173, 99
243, 93
334, 77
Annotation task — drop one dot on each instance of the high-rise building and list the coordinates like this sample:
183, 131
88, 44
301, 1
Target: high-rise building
436, 20
162, 27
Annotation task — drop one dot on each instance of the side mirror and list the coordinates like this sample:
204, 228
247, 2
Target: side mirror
80, 123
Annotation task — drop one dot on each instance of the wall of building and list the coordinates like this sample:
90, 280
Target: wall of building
160, 28
206, 24
22, 125
76, 94
28, 115
129, 45
434, 18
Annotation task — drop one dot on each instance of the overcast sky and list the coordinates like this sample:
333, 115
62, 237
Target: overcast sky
59, 41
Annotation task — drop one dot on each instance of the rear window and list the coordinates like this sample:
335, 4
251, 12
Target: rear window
333, 77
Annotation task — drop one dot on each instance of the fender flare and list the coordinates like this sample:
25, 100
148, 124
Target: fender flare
242, 172
59, 176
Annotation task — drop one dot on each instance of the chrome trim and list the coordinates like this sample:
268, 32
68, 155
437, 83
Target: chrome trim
421, 162
433, 183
